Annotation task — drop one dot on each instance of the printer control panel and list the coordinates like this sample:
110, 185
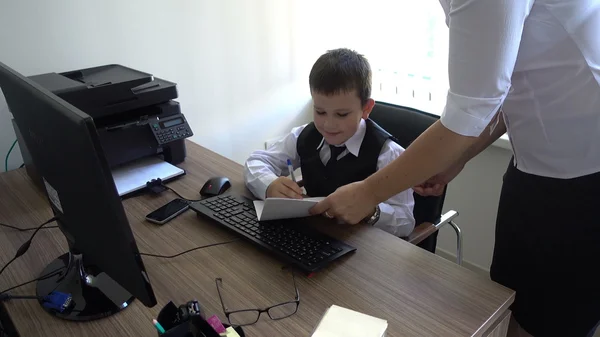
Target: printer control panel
170, 129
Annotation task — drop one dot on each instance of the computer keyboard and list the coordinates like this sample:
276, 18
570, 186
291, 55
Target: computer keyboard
290, 239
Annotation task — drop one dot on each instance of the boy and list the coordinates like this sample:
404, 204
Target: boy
339, 147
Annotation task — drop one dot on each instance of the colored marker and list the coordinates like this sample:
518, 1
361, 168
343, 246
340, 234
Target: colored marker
159, 327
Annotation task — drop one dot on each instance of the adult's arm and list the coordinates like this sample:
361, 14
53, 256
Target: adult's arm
436, 185
485, 36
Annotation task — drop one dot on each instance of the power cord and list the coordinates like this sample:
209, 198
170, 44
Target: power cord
44, 277
189, 250
7, 297
8, 155
25, 246
180, 196
25, 229
156, 186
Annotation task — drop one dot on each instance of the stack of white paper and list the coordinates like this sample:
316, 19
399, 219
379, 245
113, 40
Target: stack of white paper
133, 176
281, 208
342, 322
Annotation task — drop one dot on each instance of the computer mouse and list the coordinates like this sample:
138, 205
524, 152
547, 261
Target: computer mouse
215, 186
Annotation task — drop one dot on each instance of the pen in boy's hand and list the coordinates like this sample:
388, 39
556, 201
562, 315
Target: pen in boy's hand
291, 169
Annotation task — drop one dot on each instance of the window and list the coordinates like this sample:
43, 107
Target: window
410, 55
406, 42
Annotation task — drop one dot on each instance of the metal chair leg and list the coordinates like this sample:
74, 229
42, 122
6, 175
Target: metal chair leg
448, 218
459, 249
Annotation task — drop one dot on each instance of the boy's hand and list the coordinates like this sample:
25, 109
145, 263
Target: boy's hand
284, 187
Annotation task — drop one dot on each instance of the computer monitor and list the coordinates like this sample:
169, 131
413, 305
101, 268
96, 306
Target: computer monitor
103, 270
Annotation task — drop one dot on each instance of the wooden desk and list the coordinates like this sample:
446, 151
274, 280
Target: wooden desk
418, 293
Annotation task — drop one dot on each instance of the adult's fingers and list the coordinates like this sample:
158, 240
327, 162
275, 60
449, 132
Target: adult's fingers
426, 191
321, 207
419, 189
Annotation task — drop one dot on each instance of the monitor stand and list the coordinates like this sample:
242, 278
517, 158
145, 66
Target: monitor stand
94, 294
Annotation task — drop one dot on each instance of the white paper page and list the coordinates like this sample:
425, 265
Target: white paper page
282, 208
132, 177
342, 322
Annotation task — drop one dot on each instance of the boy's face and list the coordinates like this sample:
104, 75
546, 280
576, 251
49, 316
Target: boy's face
338, 116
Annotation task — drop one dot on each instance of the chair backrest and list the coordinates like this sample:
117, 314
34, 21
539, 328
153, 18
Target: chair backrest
406, 124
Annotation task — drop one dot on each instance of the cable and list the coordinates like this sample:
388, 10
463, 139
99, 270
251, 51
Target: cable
189, 250
179, 195
47, 276
8, 155
25, 229
7, 297
156, 186
25, 246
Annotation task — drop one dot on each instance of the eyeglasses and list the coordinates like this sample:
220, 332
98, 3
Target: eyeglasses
250, 316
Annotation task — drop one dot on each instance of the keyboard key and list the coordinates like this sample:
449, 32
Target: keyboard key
235, 211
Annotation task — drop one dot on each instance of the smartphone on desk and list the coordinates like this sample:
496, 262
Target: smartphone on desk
168, 212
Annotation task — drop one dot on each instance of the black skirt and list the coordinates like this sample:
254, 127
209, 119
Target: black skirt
547, 249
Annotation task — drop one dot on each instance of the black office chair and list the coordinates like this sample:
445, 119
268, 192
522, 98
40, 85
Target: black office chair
406, 124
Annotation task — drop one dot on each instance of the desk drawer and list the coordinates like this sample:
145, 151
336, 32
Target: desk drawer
501, 327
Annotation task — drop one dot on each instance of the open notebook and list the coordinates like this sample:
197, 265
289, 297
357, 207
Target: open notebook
281, 208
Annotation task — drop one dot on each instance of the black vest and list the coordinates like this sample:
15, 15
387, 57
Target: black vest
317, 180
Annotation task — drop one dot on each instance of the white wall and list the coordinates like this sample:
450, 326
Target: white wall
241, 67
474, 194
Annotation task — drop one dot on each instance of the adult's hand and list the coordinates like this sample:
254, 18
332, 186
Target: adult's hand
435, 185
350, 203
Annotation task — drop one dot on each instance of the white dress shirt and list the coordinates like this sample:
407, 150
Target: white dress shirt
540, 61
264, 166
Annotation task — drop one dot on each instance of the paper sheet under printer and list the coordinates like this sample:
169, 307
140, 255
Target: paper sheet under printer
134, 176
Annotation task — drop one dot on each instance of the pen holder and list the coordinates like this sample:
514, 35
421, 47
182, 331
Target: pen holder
237, 329
183, 330
187, 320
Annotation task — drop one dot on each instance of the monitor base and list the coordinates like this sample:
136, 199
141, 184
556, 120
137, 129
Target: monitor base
94, 294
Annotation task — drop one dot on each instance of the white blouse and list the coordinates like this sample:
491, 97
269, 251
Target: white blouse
540, 61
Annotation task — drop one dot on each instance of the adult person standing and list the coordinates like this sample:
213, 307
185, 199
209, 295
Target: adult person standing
531, 67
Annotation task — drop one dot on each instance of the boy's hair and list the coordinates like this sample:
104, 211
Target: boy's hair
341, 70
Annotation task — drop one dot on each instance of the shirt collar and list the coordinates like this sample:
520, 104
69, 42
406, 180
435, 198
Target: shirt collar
353, 143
